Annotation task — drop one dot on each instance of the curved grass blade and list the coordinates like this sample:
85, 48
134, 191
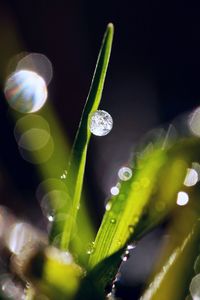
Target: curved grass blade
74, 180
144, 200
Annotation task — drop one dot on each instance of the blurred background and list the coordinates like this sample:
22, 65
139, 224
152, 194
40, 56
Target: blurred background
153, 77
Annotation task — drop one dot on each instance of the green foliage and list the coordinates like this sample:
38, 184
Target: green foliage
144, 201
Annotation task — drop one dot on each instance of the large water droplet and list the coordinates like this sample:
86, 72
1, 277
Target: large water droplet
125, 173
100, 123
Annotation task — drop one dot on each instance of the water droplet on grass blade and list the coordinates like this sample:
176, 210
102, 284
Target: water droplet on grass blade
125, 173
126, 255
91, 248
100, 123
112, 221
114, 190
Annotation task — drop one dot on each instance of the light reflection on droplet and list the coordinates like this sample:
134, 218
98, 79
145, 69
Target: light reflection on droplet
191, 177
38, 63
125, 173
195, 287
26, 91
182, 198
100, 123
114, 190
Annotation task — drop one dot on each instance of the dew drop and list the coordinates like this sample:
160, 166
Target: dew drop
100, 123
112, 221
114, 190
126, 255
131, 246
125, 173
131, 228
91, 248
108, 205
110, 296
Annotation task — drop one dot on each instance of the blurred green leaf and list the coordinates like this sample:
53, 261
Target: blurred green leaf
75, 172
175, 268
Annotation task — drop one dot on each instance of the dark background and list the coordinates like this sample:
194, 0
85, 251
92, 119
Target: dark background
153, 77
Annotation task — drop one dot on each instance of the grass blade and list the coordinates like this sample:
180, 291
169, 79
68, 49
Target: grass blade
145, 199
74, 180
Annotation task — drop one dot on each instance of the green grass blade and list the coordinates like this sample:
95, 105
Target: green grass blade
145, 199
74, 180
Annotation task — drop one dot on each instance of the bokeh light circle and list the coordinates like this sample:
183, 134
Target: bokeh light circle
26, 91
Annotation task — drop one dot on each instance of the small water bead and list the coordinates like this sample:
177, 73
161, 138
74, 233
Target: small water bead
131, 246
110, 296
108, 205
100, 123
112, 221
125, 173
126, 255
131, 228
91, 248
195, 287
64, 175
114, 190
26, 91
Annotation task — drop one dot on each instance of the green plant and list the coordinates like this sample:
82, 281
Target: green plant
144, 201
